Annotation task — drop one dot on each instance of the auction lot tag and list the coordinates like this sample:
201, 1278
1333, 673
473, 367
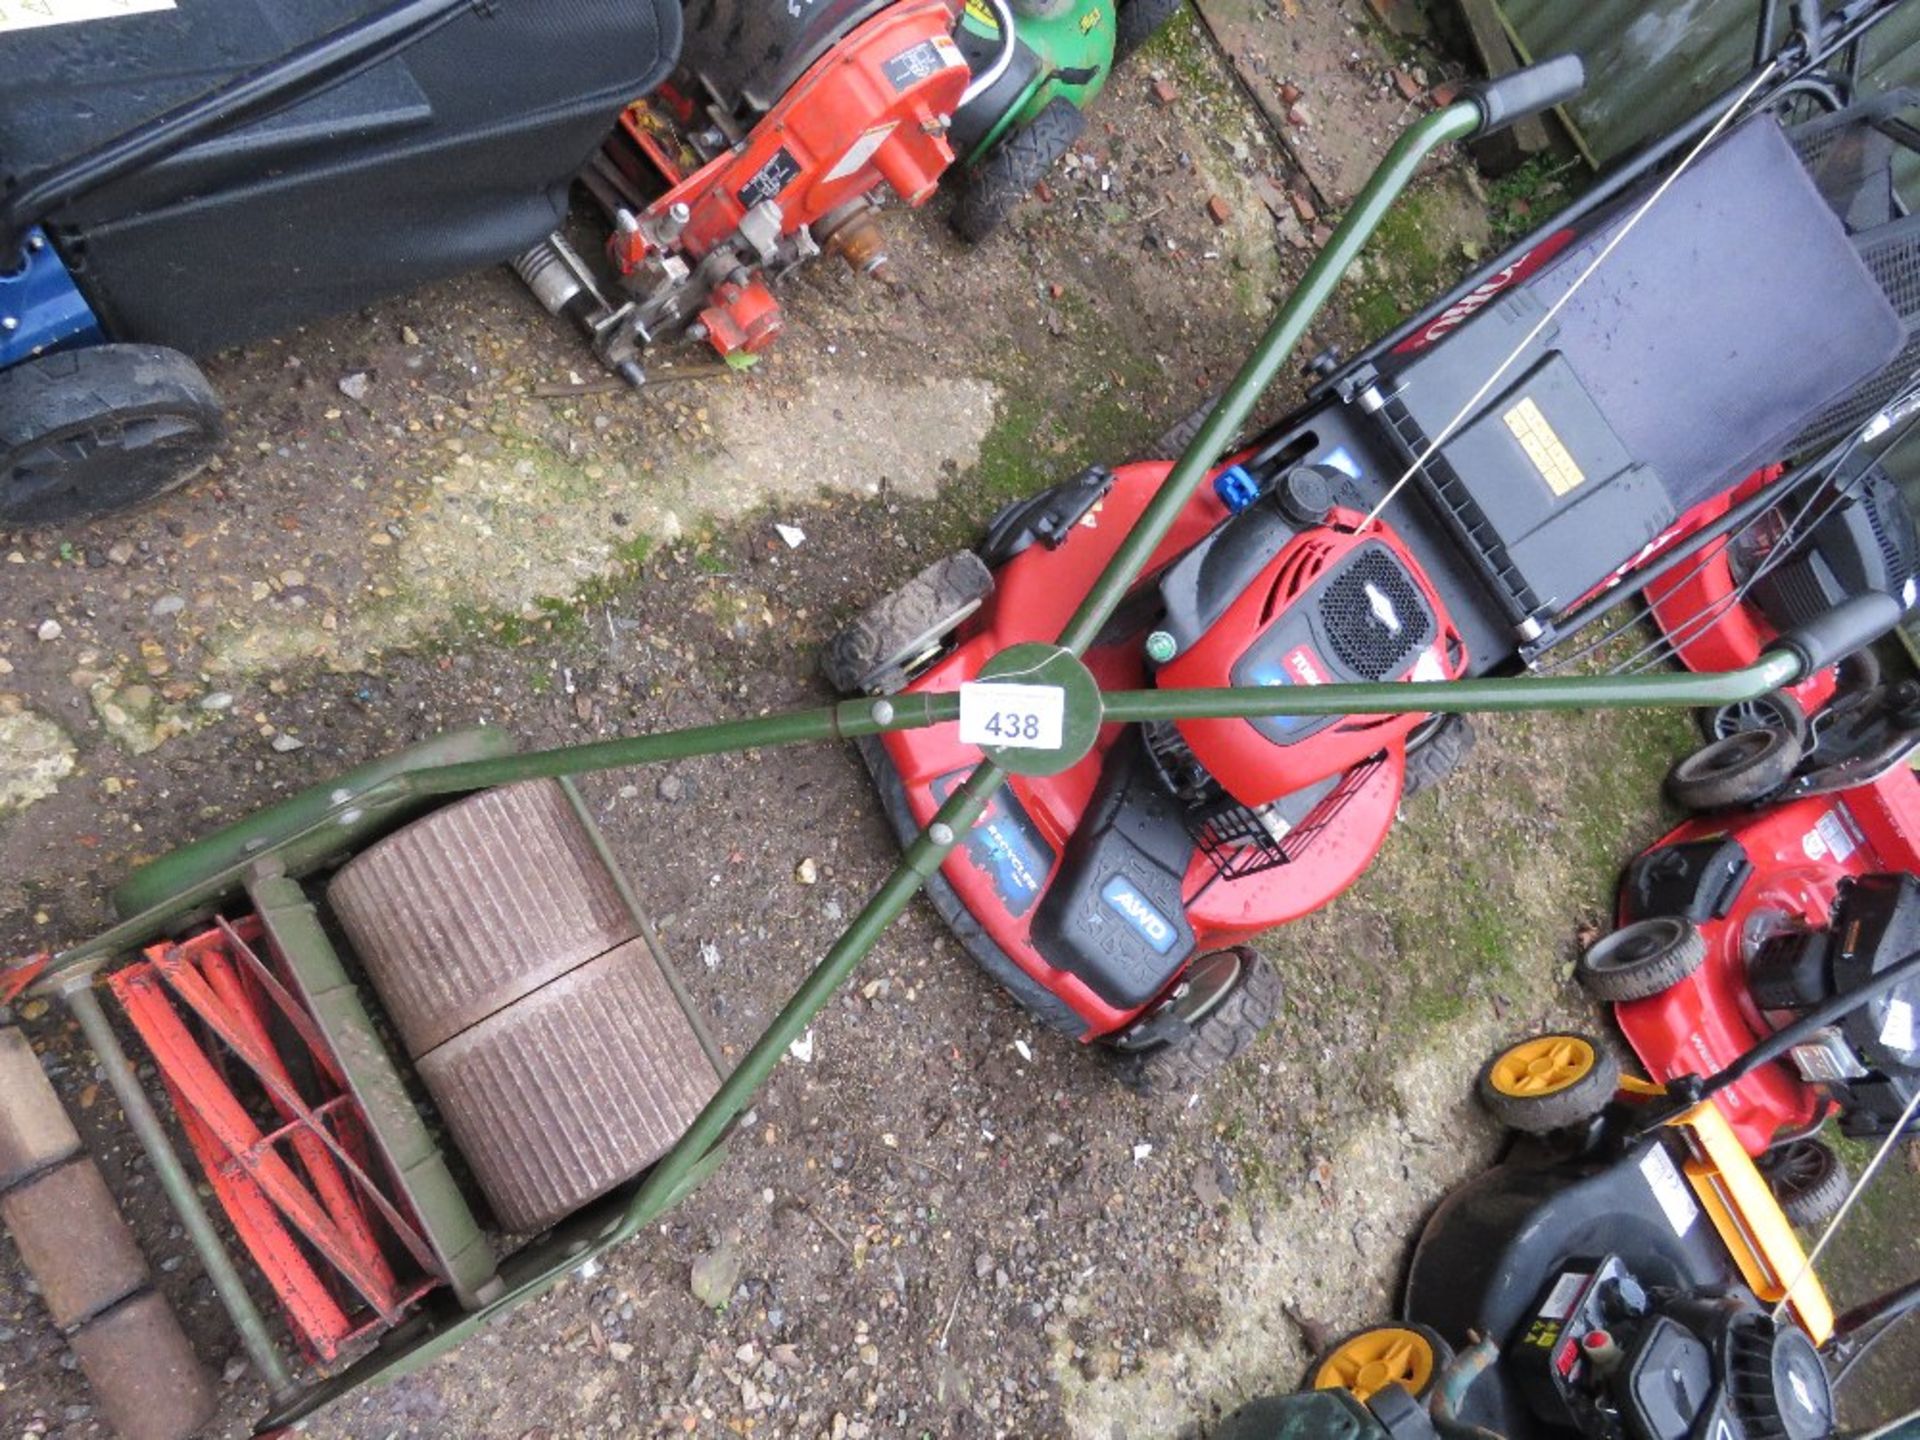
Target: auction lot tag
1017, 717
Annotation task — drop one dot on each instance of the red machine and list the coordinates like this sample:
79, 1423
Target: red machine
1735, 924
770, 145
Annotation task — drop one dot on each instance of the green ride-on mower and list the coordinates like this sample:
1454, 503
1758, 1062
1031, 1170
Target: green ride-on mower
1021, 125
445, 934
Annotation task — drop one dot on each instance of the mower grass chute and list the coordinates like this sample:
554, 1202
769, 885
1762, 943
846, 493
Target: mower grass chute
383, 876
147, 222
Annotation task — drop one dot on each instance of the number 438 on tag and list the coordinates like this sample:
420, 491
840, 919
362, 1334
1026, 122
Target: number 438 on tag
1024, 717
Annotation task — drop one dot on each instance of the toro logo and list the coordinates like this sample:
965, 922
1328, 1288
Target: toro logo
1303, 667
1476, 299
1134, 908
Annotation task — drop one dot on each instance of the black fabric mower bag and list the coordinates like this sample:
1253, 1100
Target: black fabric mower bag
455, 154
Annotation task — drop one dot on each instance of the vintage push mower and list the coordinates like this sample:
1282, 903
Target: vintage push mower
783, 128
1551, 426
1624, 1274
145, 221
1733, 925
460, 891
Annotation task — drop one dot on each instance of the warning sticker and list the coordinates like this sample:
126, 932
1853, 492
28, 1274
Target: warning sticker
1670, 1189
862, 150
981, 13
780, 171
32, 14
1559, 1302
922, 62
1836, 835
1549, 456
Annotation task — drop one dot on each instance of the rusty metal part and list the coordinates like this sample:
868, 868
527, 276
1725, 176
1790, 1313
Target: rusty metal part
461, 913
852, 233
148, 1381
573, 1089
73, 1241
35, 1132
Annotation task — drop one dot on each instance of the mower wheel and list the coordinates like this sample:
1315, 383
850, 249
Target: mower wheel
1745, 767
84, 432
1548, 1083
877, 653
1434, 751
990, 191
1808, 1180
1367, 1361
1175, 439
1225, 1000
1776, 710
1645, 958
1137, 21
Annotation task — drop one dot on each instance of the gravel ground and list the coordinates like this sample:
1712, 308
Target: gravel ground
942, 1222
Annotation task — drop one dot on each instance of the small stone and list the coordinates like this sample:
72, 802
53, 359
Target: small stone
120, 552
355, 386
792, 534
1408, 87
234, 1370
1303, 206
1043, 192
1444, 94
807, 872
671, 788
169, 605
1297, 117
50, 630
1218, 210
409, 336
285, 744
1164, 93
218, 700
1289, 94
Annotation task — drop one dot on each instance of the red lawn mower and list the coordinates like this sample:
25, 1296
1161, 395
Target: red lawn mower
1553, 417
1737, 923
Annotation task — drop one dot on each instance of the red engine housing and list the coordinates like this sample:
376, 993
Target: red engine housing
1800, 852
875, 109
1027, 829
1254, 767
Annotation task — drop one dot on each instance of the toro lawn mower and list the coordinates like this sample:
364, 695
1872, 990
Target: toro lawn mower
575, 1094
1624, 1274
148, 218
783, 127
1552, 419
1734, 925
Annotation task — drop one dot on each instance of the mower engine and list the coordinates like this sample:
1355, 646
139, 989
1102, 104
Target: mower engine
770, 145
1607, 1357
1869, 1061
1293, 589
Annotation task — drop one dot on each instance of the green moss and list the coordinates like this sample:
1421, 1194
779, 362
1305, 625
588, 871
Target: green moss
1413, 254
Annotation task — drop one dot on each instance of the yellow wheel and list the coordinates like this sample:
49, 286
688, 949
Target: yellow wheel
1368, 1361
1548, 1082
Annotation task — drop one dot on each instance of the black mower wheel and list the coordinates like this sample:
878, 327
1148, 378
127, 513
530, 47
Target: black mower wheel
1175, 439
1642, 959
1367, 1361
1434, 751
1137, 21
990, 191
1776, 710
1548, 1083
1745, 767
876, 654
1228, 997
1808, 1180
85, 432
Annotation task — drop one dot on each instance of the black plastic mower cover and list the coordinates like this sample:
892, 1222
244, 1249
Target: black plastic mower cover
458, 153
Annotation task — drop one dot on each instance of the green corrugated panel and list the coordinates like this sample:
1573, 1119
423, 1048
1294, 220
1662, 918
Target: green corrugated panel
1652, 63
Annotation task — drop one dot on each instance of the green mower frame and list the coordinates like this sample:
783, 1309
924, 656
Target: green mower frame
302, 836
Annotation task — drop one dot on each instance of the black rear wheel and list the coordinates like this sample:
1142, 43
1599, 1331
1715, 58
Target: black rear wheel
1437, 747
1642, 959
990, 191
1776, 710
85, 432
1744, 768
1223, 1003
889, 641
1808, 1180
1138, 21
